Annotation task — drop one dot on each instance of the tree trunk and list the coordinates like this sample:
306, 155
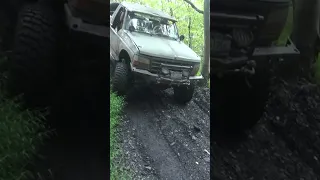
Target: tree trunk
206, 59
194, 7
189, 28
305, 33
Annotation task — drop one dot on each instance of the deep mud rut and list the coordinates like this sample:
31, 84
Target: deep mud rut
285, 144
164, 140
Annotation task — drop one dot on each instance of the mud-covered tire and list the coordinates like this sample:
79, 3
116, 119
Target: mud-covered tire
121, 79
183, 94
237, 107
32, 65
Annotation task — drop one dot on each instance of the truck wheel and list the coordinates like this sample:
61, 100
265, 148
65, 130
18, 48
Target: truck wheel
183, 94
236, 106
120, 81
31, 68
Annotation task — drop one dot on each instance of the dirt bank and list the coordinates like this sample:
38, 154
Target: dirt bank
283, 145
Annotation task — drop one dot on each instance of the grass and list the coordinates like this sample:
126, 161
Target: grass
21, 132
117, 171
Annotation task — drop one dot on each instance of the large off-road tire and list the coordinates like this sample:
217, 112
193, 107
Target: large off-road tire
184, 94
121, 79
32, 67
236, 106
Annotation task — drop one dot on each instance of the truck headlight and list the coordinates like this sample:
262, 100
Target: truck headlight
195, 69
140, 62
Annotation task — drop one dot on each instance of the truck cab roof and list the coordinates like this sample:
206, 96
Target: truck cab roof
134, 7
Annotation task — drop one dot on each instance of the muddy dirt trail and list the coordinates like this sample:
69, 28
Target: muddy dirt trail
164, 140
283, 145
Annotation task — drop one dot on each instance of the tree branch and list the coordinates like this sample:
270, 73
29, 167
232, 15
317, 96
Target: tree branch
193, 6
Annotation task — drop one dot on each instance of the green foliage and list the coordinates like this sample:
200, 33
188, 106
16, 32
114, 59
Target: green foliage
286, 32
20, 134
116, 165
183, 12
116, 104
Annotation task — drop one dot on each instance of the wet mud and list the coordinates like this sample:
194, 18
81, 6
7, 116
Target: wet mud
162, 139
283, 145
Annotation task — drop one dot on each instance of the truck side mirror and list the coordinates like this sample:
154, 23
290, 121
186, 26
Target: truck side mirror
181, 37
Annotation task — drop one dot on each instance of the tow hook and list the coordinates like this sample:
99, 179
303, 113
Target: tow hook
249, 70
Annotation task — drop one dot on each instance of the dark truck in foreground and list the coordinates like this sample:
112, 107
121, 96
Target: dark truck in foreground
243, 53
145, 47
42, 39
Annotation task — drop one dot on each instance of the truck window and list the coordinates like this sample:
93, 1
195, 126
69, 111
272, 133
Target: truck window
153, 25
118, 20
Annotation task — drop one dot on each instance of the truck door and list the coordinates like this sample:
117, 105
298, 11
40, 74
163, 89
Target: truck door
115, 26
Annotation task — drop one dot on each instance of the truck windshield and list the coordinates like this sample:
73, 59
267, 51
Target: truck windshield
152, 25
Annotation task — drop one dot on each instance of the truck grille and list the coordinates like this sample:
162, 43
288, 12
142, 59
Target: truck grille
174, 65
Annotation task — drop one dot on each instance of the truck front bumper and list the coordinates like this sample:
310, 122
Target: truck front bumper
157, 79
263, 57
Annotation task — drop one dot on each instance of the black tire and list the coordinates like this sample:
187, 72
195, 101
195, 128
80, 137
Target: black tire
236, 106
121, 79
32, 67
184, 94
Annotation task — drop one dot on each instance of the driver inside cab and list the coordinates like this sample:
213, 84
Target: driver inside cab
157, 27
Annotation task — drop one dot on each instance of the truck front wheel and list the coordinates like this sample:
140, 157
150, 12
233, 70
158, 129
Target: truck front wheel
183, 94
32, 67
238, 106
120, 81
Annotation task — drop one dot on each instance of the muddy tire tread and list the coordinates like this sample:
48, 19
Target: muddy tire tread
34, 52
235, 108
120, 78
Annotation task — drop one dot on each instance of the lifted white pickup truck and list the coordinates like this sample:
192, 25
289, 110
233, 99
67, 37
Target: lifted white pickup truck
145, 47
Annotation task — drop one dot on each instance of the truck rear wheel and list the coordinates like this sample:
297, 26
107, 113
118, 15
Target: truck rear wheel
31, 68
120, 81
236, 106
183, 94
